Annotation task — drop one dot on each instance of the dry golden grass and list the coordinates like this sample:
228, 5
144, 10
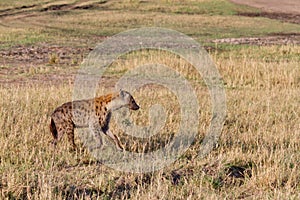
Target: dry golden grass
258, 152
261, 135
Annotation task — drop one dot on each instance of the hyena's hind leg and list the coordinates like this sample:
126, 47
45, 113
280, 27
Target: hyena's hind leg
70, 133
64, 128
59, 133
54, 132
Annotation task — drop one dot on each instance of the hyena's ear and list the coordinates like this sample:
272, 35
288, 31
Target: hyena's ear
122, 93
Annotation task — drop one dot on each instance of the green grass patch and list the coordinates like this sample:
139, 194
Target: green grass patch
200, 7
12, 37
203, 20
218, 7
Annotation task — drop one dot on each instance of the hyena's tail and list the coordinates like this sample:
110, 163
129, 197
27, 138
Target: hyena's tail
53, 129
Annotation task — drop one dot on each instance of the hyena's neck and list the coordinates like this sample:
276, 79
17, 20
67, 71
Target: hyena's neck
107, 101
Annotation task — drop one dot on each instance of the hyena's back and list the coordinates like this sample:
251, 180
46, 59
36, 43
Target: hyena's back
78, 113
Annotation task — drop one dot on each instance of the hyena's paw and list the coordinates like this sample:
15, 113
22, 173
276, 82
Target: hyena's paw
120, 147
53, 143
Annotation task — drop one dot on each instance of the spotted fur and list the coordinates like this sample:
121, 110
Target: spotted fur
92, 113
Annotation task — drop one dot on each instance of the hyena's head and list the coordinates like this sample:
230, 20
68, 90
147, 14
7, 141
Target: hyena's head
123, 99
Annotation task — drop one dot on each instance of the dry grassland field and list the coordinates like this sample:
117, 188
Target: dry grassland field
257, 53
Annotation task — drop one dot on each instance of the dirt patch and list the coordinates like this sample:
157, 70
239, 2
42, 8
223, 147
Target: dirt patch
83, 4
290, 6
42, 64
288, 11
43, 54
55, 7
285, 17
74, 6
279, 39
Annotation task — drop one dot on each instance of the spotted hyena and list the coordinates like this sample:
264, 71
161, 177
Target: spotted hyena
92, 113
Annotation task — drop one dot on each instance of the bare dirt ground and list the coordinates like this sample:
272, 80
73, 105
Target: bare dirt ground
43, 63
287, 11
280, 39
287, 6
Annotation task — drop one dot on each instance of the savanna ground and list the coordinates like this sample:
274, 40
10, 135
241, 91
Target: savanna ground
257, 52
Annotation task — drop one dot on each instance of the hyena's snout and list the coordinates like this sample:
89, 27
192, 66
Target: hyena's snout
133, 105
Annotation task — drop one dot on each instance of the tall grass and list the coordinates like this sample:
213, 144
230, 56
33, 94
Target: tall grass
261, 135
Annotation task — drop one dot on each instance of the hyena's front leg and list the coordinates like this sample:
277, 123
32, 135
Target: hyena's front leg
95, 128
115, 139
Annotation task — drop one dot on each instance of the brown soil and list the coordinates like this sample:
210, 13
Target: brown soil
47, 64
280, 39
43, 54
49, 7
287, 6
285, 17
287, 11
